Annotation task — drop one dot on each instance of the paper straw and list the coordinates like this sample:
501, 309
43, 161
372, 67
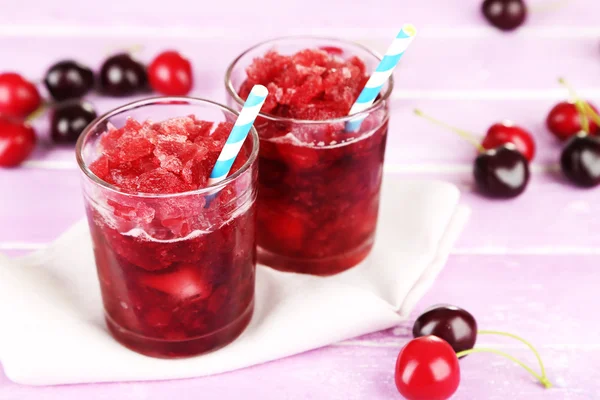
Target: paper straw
238, 134
383, 71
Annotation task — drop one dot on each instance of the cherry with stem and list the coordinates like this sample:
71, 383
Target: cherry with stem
458, 327
427, 367
506, 15
580, 158
468, 136
585, 109
500, 172
566, 119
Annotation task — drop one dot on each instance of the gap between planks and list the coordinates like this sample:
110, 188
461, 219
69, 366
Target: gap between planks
417, 168
192, 32
557, 94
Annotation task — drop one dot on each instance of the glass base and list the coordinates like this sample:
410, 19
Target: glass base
162, 348
316, 266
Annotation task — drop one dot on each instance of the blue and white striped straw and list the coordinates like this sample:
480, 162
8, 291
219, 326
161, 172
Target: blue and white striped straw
383, 71
238, 134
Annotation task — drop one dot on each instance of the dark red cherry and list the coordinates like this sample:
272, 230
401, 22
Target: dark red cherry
506, 132
17, 140
427, 369
121, 75
564, 120
18, 96
68, 80
453, 324
580, 160
69, 119
506, 15
502, 172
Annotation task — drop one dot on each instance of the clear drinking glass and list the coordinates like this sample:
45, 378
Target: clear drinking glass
176, 270
318, 195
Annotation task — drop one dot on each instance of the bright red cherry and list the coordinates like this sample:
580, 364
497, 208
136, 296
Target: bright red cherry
171, 74
427, 369
17, 140
505, 132
18, 96
564, 120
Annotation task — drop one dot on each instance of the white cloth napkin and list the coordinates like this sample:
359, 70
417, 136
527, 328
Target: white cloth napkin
52, 329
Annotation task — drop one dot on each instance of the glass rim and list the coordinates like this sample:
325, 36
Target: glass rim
152, 101
376, 105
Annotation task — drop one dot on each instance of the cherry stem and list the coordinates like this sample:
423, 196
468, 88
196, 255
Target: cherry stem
588, 111
585, 122
542, 378
468, 136
36, 113
131, 50
520, 339
556, 5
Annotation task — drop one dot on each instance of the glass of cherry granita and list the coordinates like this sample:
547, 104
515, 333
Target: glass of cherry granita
319, 185
176, 259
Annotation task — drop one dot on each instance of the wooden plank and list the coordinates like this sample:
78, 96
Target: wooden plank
51, 201
431, 64
545, 299
347, 373
411, 140
274, 16
528, 266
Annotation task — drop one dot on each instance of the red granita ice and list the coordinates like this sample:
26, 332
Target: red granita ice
176, 273
319, 185
311, 84
162, 157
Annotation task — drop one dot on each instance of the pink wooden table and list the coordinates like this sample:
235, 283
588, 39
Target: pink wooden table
528, 266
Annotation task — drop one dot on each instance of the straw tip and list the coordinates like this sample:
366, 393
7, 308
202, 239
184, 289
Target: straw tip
260, 90
409, 29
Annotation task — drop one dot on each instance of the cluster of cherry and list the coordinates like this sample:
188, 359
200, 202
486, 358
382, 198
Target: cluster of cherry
67, 82
428, 365
501, 168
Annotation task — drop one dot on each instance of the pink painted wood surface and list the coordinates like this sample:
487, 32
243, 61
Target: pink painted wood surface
550, 217
527, 266
278, 17
363, 368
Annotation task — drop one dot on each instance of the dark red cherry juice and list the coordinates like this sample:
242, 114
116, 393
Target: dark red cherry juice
319, 185
176, 274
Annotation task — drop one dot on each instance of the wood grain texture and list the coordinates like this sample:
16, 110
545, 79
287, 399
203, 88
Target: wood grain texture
527, 266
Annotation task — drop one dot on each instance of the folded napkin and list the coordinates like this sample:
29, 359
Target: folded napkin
52, 320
